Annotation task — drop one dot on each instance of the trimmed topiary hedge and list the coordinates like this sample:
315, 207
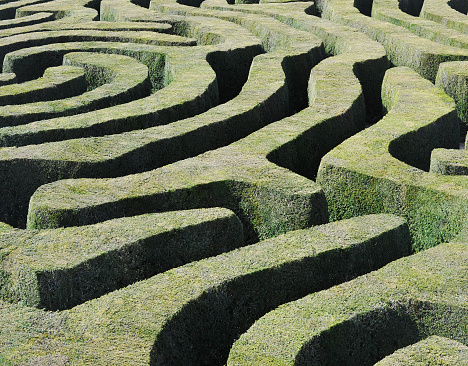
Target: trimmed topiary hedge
452, 78
440, 11
237, 177
219, 155
393, 11
191, 314
362, 321
403, 47
108, 82
58, 269
449, 162
57, 82
381, 168
430, 351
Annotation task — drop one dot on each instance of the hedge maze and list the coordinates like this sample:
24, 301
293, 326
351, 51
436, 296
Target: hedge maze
233, 182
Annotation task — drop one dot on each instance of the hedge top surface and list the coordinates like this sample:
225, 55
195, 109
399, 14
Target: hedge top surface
403, 47
180, 86
395, 154
108, 80
338, 39
430, 351
440, 11
72, 10
403, 93
41, 268
63, 24
390, 11
299, 332
141, 323
60, 81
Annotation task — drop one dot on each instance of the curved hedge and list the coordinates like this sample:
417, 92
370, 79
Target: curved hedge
431, 350
160, 229
381, 168
364, 320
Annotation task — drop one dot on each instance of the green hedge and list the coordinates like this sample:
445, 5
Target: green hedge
191, 314
73, 11
173, 97
449, 162
389, 11
57, 82
124, 10
179, 100
22, 42
430, 351
182, 99
362, 321
452, 78
368, 57
403, 47
269, 200
380, 169
108, 82
7, 78
65, 23
26, 20
8, 9
58, 269
441, 12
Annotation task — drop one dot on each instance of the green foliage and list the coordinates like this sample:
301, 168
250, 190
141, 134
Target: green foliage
217, 124
363, 320
4, 361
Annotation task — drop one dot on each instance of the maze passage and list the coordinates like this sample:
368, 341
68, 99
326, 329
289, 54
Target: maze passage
212, 182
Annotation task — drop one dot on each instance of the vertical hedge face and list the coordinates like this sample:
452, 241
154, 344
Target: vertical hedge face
168, 171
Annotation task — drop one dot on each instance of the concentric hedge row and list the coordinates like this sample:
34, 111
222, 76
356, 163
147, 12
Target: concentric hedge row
169, 170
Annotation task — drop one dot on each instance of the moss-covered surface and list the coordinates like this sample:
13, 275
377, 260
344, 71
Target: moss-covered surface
191, 314
433, 350
366, 319
381, 169
57, 269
